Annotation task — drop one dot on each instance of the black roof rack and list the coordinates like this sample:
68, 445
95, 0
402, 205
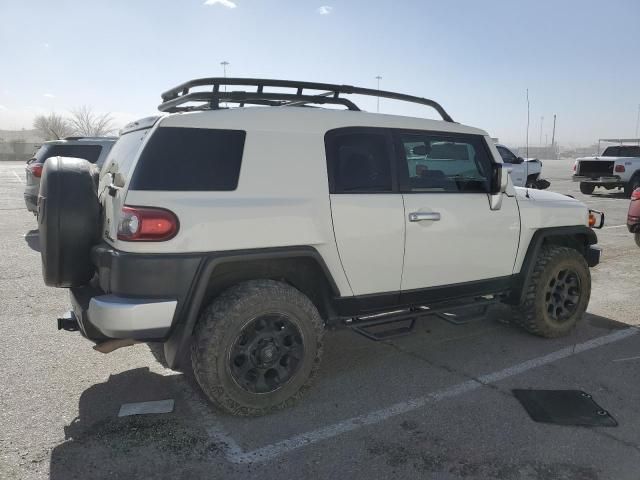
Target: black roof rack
174, 100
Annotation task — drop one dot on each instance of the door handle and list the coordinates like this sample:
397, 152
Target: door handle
420, 216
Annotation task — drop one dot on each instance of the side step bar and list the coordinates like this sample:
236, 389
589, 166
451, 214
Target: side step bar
386, 325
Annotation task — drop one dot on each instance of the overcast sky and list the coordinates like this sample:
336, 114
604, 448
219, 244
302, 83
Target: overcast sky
579, 59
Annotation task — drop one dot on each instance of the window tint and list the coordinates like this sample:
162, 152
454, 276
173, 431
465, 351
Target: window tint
358, 163
507, 155
436, 163
623, 151
90, 153
190, 159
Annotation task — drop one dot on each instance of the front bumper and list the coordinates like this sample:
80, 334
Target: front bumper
105, 316
612, 179
592, 255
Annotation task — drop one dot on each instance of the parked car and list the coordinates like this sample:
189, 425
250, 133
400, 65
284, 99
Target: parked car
525, 172
240, 234
633, 215
617, 168
92, 149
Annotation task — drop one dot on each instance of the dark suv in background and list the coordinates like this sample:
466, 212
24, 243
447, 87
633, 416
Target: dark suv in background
92, 149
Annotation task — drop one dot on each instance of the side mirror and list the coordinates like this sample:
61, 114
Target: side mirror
499, 183
518, 160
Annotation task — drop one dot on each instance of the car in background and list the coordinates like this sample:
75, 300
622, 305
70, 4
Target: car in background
617, 168
633, 215
525, 172
92, 149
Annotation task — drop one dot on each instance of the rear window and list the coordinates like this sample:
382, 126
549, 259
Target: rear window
624, 151
190, 159
90, 153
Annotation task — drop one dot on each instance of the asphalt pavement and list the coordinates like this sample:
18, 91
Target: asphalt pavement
434, 404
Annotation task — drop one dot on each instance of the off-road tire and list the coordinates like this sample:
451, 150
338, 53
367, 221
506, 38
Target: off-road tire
587, 188
636, 237
221, 324
532, 314
633, 183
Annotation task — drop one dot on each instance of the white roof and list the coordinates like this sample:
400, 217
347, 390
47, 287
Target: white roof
305, 120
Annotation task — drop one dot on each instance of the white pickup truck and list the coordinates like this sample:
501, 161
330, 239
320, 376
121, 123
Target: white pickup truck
525, 172
617, 167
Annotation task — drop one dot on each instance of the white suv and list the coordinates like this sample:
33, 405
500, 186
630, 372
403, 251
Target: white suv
242, 233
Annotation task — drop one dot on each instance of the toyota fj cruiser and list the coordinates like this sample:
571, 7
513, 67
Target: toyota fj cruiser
240, 234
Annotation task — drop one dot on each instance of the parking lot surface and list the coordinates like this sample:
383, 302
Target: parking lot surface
435, 404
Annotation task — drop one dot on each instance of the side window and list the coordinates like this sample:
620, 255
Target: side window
507, 156
189, 159
442, 163
358, 162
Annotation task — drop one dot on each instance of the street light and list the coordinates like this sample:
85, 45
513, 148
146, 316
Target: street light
378, 78
224, 64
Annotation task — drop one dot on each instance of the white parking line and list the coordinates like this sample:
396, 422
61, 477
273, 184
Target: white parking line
17, 176
234, 453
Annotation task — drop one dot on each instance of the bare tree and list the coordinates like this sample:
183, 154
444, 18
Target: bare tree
52, 126
86, 122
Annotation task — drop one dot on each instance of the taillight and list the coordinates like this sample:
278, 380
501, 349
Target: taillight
36, 169
575, 166
619, 168
147, 224
635, 195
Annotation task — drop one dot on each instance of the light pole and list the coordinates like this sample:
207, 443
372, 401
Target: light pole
224, 64
378, 78
638, 122
541, 122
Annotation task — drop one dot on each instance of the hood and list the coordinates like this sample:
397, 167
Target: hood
543, 196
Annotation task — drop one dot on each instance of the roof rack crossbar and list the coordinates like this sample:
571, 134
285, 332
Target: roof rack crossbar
173, 100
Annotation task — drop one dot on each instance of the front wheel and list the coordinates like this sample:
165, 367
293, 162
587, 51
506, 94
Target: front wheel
587, 188
257, 347
557, 294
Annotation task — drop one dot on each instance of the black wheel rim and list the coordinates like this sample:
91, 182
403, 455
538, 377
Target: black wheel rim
563, 295
267, 353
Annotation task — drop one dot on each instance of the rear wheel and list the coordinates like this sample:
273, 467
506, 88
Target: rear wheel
557, 294
587, 188
257, 347
632, 185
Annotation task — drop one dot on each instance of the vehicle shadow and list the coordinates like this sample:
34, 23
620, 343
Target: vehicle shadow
99, 444
32, 237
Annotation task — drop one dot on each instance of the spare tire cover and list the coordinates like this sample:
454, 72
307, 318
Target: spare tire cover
68, 220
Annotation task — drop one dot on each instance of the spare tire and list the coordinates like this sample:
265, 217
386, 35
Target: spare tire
68, 220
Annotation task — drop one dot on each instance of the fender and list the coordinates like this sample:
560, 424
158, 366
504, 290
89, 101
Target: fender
582, 235
182, 329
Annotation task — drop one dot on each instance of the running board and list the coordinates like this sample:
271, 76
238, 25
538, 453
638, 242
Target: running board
386, 325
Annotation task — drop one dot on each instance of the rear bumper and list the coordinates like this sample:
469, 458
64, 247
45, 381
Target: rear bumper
104, 316
31, 201
612, 179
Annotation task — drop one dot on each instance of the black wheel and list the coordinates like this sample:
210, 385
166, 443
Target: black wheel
257, 347
587, 188
636, 237
632, 185
557, 294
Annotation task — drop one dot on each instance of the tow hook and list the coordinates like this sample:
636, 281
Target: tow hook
68, 323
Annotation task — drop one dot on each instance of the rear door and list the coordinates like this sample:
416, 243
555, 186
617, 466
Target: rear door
367, 209
452, 235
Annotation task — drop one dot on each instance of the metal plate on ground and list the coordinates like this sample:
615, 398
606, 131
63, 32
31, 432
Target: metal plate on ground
144, 408
564, 407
